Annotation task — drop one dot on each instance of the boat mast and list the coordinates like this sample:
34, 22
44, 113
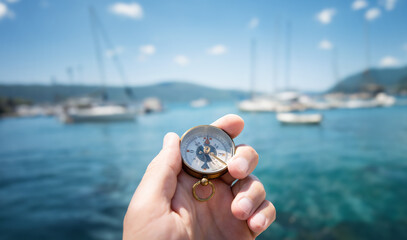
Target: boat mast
70, 73
366, 74
367, 45
276, 51
335, 65
116, 60
288, 56
98, 51
252, 67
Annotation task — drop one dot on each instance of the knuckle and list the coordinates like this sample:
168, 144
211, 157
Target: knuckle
273, 211
251, 152
258, 185
258, 188
248, 151
255, 187
254, 153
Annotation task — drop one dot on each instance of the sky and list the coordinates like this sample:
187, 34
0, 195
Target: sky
305, 45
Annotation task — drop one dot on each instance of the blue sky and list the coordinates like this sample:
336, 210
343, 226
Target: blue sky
205, 42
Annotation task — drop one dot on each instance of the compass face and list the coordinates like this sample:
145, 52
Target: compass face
206, 149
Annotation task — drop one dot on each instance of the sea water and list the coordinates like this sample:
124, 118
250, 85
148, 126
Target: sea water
343, 179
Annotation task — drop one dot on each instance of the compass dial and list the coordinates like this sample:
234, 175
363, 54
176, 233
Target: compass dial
206, 150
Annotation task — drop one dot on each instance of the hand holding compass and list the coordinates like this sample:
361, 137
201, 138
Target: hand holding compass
163, 206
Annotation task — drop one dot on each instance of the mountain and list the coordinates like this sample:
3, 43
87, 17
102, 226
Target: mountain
392, 80
167, 92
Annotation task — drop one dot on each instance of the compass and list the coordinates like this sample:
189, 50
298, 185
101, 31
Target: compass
206, 151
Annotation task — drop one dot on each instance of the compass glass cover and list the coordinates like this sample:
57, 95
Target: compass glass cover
206, 149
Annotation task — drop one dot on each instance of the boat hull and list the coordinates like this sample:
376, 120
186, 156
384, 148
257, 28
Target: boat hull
107, 118
112, 113
299, 119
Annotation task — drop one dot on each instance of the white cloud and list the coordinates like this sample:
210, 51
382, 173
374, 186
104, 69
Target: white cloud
254, 22
148, 49
181, 60
359, 4
5, 12
114, 52
12, 1
326, 15
389, 61
325, 45
389, 4
131, 10
372, 14
217, 50
145, 51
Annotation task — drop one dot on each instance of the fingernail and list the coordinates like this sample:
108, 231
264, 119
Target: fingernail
167, 139
245, 205
259, 220
242, 164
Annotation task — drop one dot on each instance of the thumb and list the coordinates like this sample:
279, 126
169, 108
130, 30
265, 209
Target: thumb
160, 179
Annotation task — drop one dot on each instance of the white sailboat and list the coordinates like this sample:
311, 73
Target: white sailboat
107, 113
256, 103
200, 102
384, 100
95, 111
292, 118
152, 104
259, 104
285, 101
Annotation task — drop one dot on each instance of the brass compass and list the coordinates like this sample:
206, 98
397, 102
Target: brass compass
206, 151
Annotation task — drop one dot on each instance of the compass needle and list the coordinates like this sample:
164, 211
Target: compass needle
220, 160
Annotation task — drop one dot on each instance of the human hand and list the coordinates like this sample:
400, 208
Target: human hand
163, 206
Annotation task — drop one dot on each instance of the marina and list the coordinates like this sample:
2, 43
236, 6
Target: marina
76, 181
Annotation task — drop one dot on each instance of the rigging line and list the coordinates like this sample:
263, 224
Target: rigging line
335, 65
276, 47
288, 56
252, 67
366, 76
99, 59
110, 45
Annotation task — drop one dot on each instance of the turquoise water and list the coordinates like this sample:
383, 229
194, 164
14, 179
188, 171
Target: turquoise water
345, 179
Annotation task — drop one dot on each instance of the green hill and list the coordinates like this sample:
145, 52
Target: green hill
392, 80
167, 92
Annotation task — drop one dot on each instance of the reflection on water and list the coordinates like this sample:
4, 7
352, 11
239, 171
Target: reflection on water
344, 179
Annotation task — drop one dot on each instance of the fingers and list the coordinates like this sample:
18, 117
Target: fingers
242, 164
250, 204
249, 194
231, 123
160, 178
262, 218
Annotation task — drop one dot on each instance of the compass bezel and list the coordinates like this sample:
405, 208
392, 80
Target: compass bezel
200, 174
